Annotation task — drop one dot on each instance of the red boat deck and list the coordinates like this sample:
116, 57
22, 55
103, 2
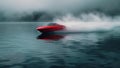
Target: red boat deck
50, 28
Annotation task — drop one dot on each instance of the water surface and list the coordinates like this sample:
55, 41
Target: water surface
20, 47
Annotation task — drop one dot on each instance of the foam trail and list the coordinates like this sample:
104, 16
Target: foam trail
90, 26
90, 23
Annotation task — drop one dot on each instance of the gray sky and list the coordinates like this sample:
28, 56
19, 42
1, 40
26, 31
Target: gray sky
13, 9
57, 5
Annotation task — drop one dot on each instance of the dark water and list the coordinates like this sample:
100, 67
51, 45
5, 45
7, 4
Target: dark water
20, 47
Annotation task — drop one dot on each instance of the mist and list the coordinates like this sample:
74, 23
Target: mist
32, 10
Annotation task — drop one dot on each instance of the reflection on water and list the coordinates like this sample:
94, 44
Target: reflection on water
19, 48
50, 37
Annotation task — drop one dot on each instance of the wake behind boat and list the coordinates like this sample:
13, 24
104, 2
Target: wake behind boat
78, 27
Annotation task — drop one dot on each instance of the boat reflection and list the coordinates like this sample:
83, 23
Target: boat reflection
80, 36
50, 37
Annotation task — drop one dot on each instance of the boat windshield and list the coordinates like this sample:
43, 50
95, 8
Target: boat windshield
50, 24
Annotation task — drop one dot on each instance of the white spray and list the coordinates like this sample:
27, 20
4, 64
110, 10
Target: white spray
89, 23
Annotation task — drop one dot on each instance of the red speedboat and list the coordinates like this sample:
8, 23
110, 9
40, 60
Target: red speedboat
52, 27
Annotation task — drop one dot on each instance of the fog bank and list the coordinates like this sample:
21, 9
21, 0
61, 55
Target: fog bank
17, 10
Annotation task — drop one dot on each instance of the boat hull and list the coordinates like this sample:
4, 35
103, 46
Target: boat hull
53, 28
